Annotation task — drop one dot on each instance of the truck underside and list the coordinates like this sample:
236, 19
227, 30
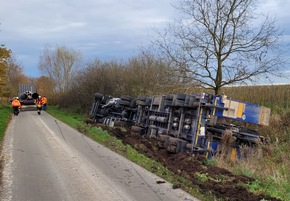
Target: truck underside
193, 123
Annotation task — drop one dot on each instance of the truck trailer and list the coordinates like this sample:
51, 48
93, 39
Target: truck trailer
27, 94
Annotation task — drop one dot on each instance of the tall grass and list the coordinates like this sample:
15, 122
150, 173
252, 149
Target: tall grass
270, 169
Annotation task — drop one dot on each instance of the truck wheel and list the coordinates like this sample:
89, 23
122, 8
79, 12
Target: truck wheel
125, 102
179, 99
141, 98
23, 97
126, 98
144, 101
98, 96
133, 103
168, 100
189, 100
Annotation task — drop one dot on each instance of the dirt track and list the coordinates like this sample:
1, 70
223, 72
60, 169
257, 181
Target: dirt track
223, 184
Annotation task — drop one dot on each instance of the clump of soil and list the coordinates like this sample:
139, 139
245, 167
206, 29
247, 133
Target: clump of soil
210, 179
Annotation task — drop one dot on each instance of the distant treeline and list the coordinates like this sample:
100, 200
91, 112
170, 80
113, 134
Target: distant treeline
276, 97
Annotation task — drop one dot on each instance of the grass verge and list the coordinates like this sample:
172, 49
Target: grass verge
5, 116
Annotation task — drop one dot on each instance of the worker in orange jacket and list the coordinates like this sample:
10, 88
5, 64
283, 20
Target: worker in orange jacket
39, 104
16, 105
44, 102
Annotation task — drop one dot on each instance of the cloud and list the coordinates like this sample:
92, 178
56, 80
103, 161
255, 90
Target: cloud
98, 28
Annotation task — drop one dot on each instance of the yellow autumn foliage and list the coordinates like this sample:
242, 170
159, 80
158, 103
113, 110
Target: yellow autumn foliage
5, 54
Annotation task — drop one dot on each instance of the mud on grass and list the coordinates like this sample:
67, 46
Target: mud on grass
209, 179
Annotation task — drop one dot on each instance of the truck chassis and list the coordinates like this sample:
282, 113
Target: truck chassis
192, 123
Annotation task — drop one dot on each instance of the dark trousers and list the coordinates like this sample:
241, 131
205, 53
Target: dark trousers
15, 109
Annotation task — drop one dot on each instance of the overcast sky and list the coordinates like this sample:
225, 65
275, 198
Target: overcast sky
104, 29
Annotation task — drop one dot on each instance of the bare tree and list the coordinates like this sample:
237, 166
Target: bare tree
146, 74
97, 76
45, 87
216, 43
60, 65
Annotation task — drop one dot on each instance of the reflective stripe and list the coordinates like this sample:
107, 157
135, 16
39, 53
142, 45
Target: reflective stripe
240, 110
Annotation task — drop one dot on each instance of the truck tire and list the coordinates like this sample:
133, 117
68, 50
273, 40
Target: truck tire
143, 101
179, 100
141, 98
23, 96
168, 100
189, 101
125, 103
133, 103
35, 95
126, 98
98, 96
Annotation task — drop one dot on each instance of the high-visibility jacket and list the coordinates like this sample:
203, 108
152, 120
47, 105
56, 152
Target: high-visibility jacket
15, 103
39, 102
44, 100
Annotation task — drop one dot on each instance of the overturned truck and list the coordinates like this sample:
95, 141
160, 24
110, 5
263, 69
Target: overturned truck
193, 123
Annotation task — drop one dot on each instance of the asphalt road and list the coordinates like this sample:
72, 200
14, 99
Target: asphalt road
46, 160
